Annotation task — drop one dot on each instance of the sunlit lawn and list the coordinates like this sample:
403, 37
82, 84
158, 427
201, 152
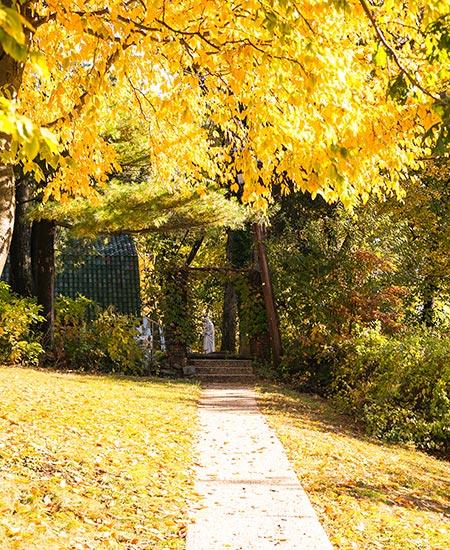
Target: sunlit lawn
367, 495
93, 462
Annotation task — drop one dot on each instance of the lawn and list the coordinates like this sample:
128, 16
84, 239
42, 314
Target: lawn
94, 461
366, 494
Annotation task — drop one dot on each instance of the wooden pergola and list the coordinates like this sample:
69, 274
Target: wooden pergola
261, 273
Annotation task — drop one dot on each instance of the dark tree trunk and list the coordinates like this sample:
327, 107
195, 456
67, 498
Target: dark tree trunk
229, 318
427, 317
269, 299
229, 313
43, 268
20, 278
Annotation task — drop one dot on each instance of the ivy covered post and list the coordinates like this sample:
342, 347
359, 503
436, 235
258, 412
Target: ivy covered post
230, 303
253, 318
247, 284
177, 319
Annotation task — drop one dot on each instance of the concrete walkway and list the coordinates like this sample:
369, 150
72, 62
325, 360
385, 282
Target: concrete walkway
251, 497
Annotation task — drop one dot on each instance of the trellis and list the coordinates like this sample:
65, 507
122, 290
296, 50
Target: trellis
109, 275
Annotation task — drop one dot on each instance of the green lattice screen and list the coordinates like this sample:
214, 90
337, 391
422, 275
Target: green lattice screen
109, 276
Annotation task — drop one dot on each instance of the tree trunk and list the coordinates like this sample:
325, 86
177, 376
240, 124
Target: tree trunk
7, 204
10, 80
229, 313
427, 317
43, 267
269, 299
20, 278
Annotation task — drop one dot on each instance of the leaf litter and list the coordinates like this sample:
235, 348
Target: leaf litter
368, 495
94, 461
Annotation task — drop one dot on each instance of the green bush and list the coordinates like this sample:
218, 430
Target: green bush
18, 315
309, 360
105, 343
398, 385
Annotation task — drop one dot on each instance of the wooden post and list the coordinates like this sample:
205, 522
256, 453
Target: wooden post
269, 299
229, 311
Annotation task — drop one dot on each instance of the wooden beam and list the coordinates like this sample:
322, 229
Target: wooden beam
195, 248
218, 269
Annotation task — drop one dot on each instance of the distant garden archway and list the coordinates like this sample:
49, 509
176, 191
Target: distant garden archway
243, 323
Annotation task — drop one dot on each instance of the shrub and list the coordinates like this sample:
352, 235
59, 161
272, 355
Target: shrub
104, 343
310, 360
398, 385
18, 315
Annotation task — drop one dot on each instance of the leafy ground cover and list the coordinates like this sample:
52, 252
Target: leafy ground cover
92, 461
367, 495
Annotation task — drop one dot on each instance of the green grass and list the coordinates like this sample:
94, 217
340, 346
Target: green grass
366, 494
94, 461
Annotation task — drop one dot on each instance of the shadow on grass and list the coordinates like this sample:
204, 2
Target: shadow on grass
397, 498
313, 409
128, 381
117, 377
391, 474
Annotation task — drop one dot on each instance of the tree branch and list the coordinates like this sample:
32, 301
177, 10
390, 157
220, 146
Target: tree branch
393, 53
189, 33
84, 96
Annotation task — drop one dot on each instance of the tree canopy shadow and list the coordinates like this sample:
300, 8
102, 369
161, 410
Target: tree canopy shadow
389, 474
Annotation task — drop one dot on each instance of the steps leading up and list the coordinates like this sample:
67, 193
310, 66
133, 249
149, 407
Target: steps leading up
210, 369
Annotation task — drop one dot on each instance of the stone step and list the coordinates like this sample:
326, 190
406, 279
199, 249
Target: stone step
219, 355
220, 378
222, 363
217, 369
220, 370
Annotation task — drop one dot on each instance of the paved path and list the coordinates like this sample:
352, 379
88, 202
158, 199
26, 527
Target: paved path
252, 499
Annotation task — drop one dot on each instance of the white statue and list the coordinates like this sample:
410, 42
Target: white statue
145, 334
209, 342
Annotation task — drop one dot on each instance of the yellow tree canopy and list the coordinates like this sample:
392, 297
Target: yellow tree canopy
334, 95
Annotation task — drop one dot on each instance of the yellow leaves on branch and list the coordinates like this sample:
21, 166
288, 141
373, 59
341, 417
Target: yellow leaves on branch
34, 140
272, 90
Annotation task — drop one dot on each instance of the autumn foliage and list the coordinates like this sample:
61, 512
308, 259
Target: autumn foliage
318, 92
